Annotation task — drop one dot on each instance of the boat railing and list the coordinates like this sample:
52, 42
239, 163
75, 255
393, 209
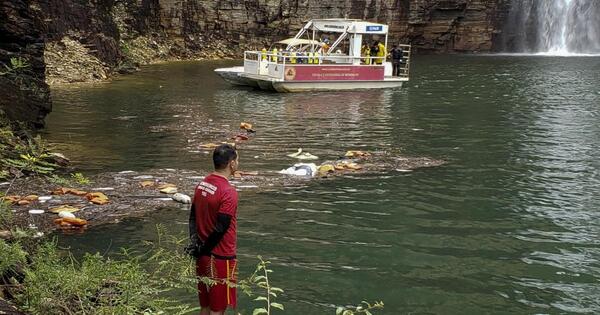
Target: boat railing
272, 65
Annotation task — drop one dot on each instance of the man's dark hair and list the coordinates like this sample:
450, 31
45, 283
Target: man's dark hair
222, 155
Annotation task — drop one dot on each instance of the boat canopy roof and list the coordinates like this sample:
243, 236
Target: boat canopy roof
346, 26
298, 41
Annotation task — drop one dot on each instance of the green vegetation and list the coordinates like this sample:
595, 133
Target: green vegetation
23, 154
74, 178
12, 255
260, 280
17, 65
133, 284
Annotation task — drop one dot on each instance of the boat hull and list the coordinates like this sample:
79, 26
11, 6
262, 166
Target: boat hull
334, 85
236, 76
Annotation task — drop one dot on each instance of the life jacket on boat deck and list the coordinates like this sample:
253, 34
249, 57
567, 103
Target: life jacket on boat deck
293, 57
274, 57
310, 57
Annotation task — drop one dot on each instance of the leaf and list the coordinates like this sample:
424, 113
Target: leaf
260, 298
367, 312
276, 289
258, 311
277, 305
273, 294
339, 310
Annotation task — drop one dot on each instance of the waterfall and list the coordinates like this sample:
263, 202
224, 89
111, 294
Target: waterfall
553, 27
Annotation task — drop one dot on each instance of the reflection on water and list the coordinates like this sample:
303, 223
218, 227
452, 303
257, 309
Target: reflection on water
510, 225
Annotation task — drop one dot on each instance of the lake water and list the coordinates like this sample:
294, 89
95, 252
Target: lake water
511, 224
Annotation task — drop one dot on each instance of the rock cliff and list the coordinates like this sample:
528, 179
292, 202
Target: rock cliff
73, 40
24, 95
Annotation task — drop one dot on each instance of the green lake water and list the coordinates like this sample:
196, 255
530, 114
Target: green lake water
511, 224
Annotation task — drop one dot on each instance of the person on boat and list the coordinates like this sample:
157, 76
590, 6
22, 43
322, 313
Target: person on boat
381, 52
325, 47
213, 225
396, 60
310, 57
366, 52
293, 57
274, 57
263, 54
374, 51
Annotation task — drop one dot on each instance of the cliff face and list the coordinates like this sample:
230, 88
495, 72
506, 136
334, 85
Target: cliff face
24, 95
430, 25
76, 40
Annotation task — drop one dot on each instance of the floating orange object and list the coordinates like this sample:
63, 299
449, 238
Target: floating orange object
31, 198
75, 221
72, 191
360, 154
60, 191
166, 185
66, 222
147, 183
353, 166
23, 202
62, 208
240, 137
246, 126
347, 166
77, 192
11, 199
97, 198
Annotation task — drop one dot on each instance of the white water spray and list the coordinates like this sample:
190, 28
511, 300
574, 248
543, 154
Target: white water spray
555, 27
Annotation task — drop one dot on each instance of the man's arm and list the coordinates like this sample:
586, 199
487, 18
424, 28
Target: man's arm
223, 223
192, 223
227, 210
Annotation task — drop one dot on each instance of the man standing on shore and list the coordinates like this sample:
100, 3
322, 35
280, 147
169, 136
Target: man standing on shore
213, 222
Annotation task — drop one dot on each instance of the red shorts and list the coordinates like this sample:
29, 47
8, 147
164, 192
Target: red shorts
217, 296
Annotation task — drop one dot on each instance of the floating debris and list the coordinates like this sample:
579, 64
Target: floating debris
143, 177
303, 155
72, 191
65, 208
66, 214
325, 169
43, 199
301, 169
97, 198
36, 211
182, 198
169, 190
75, 222
147, 183
245, 126
104, 188
357, 154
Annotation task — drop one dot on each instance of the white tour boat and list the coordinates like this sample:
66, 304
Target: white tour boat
316, 64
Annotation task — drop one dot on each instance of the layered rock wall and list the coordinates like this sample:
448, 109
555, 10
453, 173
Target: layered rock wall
24, 95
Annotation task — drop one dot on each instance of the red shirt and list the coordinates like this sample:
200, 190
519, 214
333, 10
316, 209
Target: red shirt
214, 195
